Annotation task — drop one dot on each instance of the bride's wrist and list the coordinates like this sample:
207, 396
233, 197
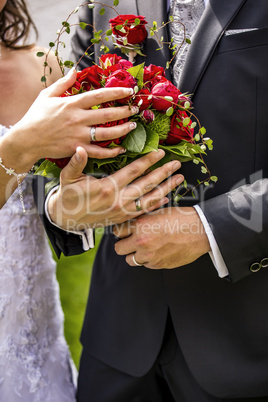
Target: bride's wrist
15, 154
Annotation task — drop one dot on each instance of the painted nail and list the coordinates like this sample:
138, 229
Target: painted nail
135, 110
122, 151
133, 125
129, 91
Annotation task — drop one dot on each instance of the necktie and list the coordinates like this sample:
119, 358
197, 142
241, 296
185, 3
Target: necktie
189, 13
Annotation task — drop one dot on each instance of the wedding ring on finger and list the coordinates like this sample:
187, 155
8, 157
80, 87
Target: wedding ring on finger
135, 262
138, 205
92, 133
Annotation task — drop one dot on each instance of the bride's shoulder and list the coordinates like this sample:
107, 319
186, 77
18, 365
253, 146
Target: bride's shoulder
47, 57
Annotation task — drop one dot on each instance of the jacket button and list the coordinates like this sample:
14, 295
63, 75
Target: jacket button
255, 267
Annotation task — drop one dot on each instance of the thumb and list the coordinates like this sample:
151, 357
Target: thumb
64, 83
73, 171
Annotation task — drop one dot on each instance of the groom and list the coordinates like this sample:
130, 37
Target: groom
198, 332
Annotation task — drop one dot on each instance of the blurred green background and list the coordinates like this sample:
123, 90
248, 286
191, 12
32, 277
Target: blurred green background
74, 275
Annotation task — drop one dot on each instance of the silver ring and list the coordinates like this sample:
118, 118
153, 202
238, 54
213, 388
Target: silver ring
93, 133
138, 205
135, 262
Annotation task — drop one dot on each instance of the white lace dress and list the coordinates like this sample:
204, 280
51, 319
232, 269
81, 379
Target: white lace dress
35, 364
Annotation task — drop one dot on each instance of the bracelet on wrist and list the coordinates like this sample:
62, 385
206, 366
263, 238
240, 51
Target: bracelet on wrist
19, 176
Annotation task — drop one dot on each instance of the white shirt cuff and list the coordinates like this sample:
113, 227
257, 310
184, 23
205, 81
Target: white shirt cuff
86, 235
215, 253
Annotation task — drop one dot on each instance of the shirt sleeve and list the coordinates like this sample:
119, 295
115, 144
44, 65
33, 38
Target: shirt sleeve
215, 253
87, 236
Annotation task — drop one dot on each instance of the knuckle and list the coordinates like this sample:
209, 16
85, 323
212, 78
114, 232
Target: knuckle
106, 191
107, 114
99, 96
134, 170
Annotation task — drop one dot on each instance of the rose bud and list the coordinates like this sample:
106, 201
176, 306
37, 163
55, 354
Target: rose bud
160, 91
147, 116
121, 78
183, 99
135, 34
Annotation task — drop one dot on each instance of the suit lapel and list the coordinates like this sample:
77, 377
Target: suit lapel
215, 20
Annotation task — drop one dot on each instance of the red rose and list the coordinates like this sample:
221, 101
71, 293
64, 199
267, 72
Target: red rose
177, 131
121, 78
72, 90
162, 89
61, 163
142, 95
90, 77
125, 64
118, 141
108, 60
135, 34
152, 71
147, 116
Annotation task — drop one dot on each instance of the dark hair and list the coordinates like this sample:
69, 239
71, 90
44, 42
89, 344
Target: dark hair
16, 25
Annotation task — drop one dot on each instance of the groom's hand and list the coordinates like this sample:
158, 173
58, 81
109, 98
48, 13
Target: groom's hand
83, 201
167, 238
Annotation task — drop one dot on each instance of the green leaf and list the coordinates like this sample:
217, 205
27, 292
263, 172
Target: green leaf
170, 111
197, 137
116, 2
102, 11
137, 21
83, 25
137, 72
90, 6
152, 141
109, 32
51, 44
43, 79
203, 130
68, 63
203, 169
40, 54
48, 169
214, 178
186, 121
135, 140
187, 40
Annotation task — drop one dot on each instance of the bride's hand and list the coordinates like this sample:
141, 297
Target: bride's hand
83, 201
54, 126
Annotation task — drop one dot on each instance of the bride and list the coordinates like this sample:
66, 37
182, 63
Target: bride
35, 363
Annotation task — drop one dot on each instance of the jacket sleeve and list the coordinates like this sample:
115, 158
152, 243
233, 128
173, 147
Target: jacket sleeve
239, 221
81, 40
61, 240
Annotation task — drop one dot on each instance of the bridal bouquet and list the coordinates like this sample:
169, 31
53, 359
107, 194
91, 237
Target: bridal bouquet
165, 119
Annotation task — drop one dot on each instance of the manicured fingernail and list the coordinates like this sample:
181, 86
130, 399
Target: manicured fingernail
135, 110
71, 71
129, 91
133, 125
122, 151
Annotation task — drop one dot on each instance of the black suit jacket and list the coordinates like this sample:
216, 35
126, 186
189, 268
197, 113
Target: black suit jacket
221, 325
